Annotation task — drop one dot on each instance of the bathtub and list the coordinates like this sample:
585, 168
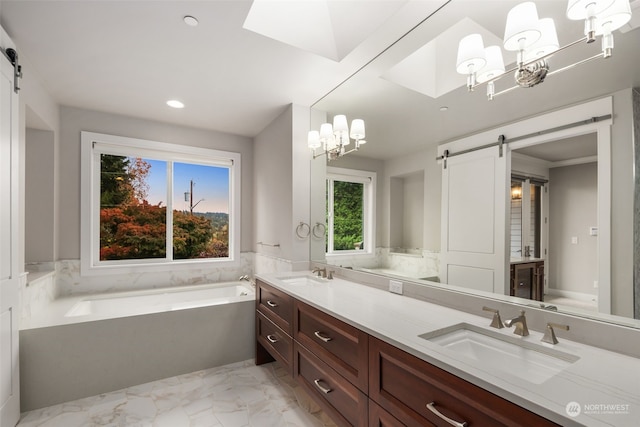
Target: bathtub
137, 303
85, 346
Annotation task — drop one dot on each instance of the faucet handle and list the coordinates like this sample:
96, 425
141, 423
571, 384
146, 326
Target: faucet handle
496, 322
549, 333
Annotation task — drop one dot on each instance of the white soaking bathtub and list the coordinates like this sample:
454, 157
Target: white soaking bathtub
89, 345
143, 302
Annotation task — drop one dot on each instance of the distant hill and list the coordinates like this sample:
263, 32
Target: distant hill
218, 219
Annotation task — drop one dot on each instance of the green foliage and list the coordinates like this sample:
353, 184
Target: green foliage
131, 228
114, 180
348, 198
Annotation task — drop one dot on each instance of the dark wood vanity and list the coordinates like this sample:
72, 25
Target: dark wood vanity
527, 279
360, 380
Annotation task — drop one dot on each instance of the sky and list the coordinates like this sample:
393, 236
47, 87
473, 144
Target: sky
211, 183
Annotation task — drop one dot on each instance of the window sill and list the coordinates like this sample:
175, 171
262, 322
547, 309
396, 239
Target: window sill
154, 267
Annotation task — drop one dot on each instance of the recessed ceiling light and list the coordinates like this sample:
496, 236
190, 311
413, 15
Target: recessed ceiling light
190, 21
175, 103
444, 108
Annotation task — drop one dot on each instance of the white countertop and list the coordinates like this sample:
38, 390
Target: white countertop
605, 384
524, 260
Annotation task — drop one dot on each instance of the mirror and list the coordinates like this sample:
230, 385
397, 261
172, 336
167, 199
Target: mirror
412, 101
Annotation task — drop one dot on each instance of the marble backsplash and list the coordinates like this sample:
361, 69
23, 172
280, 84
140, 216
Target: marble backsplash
69, 281
418, 264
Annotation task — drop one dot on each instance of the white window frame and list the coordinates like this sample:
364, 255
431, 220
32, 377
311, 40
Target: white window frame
367, 178
95, 144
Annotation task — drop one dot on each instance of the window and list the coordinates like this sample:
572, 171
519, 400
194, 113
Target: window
151, 204
350, 211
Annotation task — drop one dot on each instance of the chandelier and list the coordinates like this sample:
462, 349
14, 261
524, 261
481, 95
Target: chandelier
335, 138
535, 40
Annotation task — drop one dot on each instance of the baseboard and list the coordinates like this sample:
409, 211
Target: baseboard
572, 294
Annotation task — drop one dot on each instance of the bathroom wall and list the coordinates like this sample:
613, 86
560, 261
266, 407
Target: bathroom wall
573, 203
422, 162
281, 192
622, 204
39, 196
74, 120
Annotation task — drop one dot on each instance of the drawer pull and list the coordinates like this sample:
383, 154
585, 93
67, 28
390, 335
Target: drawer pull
272, 338
271, 303
432, 407
322, 337
325, 390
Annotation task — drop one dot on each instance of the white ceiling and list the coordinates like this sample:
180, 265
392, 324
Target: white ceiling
130, 57
401, 121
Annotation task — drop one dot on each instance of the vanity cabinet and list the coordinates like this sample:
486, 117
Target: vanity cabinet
360, 380
527, 280
341, 345
274, 315
418, 393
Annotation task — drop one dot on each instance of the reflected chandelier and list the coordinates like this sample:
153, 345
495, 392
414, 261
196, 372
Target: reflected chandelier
535, 40
335, 138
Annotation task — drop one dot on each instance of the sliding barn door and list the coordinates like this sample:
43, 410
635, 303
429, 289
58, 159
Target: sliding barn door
474, 214
9, 268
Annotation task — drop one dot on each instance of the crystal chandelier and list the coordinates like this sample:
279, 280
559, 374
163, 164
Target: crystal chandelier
535, 40
334, 139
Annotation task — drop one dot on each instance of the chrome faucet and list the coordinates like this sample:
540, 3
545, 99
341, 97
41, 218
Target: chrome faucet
322, 272
521, 324
248, 279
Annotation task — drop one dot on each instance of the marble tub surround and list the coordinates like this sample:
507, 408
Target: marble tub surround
36, 293
412, 263
71, 282
598, 378
239, 394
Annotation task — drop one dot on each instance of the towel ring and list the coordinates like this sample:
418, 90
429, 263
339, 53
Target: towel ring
321, 226
303, 230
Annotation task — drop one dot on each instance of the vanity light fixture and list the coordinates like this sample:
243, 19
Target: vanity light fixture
535, 40
333, 139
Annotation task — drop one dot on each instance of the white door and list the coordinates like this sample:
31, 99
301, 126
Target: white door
9, 269
475, 189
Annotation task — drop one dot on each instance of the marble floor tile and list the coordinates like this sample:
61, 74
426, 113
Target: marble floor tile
236, 395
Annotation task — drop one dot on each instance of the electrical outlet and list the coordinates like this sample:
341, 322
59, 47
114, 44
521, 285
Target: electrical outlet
395, 287
595, 284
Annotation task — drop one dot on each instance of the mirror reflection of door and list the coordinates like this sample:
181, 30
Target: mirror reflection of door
557, 221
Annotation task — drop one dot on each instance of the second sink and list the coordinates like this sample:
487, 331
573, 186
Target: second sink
526, 360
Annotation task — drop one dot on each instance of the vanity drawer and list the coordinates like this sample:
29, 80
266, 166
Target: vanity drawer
378, 417
341, 345
276, 305
275, 341
404, 384
338, 398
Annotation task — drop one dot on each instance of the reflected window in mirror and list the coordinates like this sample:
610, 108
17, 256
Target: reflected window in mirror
350, 212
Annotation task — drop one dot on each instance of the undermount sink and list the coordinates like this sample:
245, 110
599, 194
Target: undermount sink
510, 354
302, 280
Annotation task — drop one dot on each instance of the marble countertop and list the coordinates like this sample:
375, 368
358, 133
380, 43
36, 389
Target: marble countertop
524, 260
605, 385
